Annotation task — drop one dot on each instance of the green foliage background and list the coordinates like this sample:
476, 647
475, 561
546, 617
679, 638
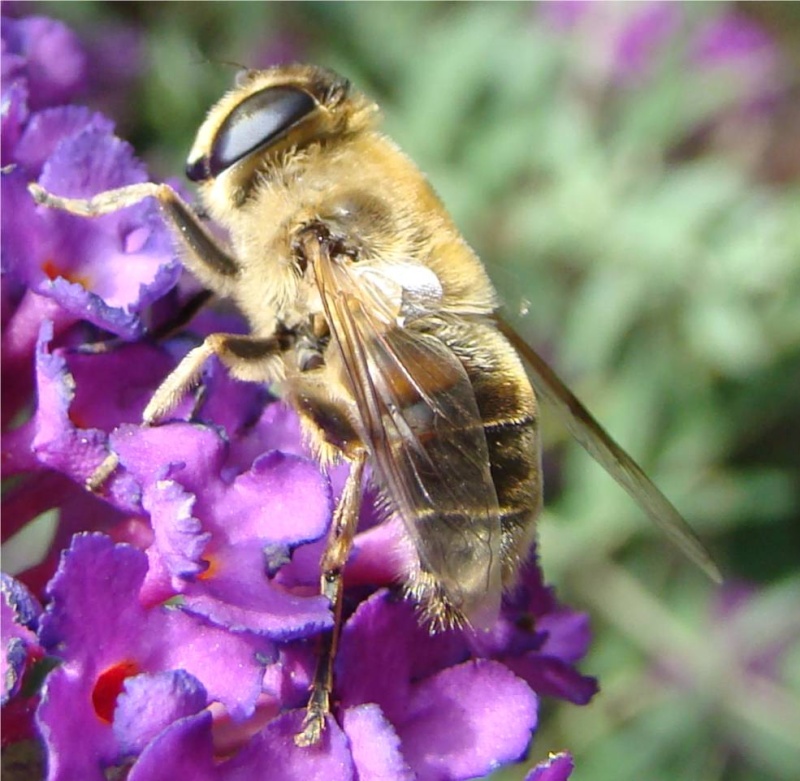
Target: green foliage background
655, 259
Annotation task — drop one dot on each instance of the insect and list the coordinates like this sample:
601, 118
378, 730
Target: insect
377, 322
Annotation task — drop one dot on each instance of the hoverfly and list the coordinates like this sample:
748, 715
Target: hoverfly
378, 323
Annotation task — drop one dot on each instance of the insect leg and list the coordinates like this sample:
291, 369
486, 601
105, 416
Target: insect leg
337, 550
183, 316
248, 358
203, 255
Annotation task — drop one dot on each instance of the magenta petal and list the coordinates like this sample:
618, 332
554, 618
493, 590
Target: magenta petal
273, 754
184, 750
122, 261
468, 720
558, 767
375, 745
400, 651
647, 30
231, 405
733, 37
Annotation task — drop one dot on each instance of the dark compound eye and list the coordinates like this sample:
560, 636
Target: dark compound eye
255, 122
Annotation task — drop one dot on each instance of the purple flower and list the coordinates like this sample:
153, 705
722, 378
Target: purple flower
68, 270
649, 27
732, 37
450, 715
104, 270
19, 615
47, 55
182, 608
626, 44
106, 638
738, 47
618, 42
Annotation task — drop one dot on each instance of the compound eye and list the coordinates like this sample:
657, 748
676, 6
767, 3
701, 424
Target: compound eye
256, 122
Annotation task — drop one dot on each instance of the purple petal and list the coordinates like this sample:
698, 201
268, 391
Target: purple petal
382, 553
96, 622
229, 665
273, 754
179, 537
278, 428
47, 129
151, 702
14, 112
96, 579
14, 661
646, 31
56, 442
237, 594
567, 634
191, 454
78, 744
25, 239
24, 606
106, 269
113, 387
558, 767
383, 675
553, 677
184, 750
375, 745
50, 58
468, 720
283, 499
233, 406
731, 37
18, 613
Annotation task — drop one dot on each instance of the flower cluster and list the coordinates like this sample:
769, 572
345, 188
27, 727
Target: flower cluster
181, 608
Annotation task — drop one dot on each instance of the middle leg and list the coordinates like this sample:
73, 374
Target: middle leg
337, 551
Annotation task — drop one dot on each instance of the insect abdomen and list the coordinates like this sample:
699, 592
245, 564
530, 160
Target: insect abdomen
509, 412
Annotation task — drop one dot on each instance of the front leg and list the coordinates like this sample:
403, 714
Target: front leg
203, 254
247, 358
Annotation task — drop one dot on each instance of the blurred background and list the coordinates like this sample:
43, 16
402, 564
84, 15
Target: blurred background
630, 174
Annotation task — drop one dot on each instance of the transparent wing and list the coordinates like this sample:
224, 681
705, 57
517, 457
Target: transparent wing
599, 444
423, 429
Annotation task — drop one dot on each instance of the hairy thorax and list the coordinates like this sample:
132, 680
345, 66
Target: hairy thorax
363, 189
